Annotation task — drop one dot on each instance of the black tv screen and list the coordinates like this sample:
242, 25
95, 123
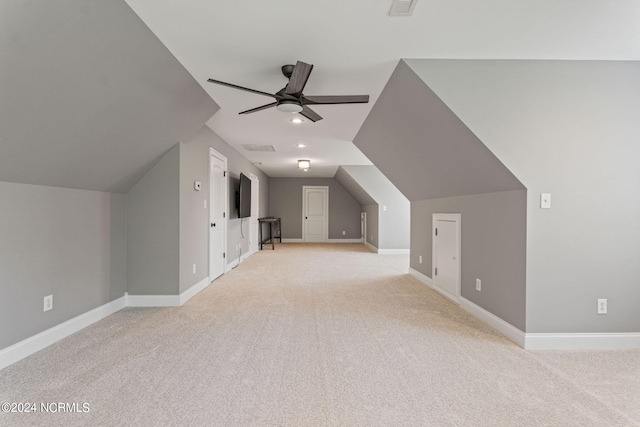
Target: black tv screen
244, 197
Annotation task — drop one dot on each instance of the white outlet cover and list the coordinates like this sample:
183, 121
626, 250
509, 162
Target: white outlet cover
48, 303
602, 306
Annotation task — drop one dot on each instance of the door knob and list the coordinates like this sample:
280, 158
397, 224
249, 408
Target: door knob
213, 224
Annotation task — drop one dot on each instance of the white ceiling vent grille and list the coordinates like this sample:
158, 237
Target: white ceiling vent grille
258, 147
402, 7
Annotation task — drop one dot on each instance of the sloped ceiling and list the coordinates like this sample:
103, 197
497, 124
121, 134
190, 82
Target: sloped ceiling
355, 46
424, 148
374, 183
354, 187
89, 98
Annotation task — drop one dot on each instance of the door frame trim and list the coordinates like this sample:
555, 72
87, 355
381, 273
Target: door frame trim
326, 211
254, 248
225, 192
457, 218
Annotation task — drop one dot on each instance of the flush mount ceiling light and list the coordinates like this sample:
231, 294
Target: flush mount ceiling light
296, 120
304, 164
289, 106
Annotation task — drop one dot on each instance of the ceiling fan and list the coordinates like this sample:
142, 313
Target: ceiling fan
290, 98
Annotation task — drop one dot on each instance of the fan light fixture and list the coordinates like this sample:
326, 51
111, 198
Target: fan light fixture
288, 106
304, 164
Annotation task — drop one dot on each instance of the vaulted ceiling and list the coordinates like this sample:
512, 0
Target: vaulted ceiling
355, 46
93, 93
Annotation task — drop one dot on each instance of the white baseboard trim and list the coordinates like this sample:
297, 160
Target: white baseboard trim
370, 246
429, 282
152, 300
421, 277
507, 329
344, 241
194, 290
393, 251
582, 341
292, 241
233, 264
44, 339
248, 254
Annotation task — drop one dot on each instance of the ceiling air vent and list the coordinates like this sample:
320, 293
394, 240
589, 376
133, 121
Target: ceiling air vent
402, 7
258, 147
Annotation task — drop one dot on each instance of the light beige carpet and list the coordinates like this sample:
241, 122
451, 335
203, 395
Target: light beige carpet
317, 335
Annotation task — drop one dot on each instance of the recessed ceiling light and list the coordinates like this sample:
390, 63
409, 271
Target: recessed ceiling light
300, 145
296, 120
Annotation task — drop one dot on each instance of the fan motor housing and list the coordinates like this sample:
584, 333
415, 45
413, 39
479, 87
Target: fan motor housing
287, 70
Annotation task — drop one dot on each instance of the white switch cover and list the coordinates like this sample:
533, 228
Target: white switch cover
545, 200
384, 208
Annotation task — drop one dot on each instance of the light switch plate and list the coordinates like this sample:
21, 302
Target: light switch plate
545, 200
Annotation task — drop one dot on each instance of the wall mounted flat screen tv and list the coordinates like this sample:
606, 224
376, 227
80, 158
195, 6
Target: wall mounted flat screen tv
244, 197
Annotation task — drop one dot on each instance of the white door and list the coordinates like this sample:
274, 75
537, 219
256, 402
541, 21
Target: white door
315, 213
255, 209
446, 255
363, 226
217, 213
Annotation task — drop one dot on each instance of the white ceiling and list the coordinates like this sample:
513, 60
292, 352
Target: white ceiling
355, 46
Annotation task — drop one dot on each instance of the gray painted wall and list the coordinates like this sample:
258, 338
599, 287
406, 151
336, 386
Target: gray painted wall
429, 154
194, 220
372, 224
91, 98
285, 202
168, 225
493, 248
394, 209
423, 148
569, 128
153, 229
353, 187
61, 242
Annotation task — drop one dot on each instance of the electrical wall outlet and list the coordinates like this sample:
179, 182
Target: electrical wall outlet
344, 233
602, 306
194, 269
478, 285
48, 303
420, 259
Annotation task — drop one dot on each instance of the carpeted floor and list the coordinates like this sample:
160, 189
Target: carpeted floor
317, 335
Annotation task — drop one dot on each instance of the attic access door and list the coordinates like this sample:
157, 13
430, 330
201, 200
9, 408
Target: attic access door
315, 214
446, 260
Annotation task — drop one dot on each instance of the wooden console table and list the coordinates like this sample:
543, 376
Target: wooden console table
270, 221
